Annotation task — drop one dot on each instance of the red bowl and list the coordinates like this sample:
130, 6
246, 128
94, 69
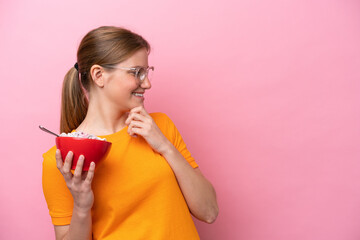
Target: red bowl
93, 150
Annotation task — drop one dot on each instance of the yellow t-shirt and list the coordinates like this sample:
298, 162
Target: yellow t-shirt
136, 192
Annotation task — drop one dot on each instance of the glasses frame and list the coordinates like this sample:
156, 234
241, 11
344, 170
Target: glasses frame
135, 69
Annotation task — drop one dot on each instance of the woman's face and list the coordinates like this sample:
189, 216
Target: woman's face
121, 85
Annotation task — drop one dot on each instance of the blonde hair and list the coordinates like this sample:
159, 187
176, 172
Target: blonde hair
105, 45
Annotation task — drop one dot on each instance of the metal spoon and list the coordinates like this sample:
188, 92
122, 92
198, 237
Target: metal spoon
48, 131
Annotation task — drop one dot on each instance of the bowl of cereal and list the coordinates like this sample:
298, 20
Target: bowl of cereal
93, 148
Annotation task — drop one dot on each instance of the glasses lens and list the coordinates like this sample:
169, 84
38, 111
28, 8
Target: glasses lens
150, 73
142, 74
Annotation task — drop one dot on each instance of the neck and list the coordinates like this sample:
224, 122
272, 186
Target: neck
102, 119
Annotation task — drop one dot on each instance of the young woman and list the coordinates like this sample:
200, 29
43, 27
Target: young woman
149, 183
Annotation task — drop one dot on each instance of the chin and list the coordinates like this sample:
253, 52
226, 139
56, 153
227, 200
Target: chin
139, 104
136, 105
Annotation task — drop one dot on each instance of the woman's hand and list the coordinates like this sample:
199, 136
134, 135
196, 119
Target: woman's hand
141, 123
78, 183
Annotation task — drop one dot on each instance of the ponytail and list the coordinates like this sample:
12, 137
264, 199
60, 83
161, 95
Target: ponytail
74, 104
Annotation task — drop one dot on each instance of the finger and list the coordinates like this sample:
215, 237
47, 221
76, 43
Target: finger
90, 174
67, 166
78, 169
136, 109
133, 125
135, 116
136, 131
130, 132
136, 124
139, 109
59, 161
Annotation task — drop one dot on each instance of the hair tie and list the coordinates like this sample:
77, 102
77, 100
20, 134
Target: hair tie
76, 66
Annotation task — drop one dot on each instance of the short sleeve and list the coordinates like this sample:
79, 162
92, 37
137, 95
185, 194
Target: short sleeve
57, 195
174, 136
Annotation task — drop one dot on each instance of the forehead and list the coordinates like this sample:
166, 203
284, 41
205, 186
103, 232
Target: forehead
139, 58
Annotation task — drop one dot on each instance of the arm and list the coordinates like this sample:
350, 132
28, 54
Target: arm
80, 227
197, 190
79, 185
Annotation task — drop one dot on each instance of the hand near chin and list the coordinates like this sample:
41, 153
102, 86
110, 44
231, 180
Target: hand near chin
139, 122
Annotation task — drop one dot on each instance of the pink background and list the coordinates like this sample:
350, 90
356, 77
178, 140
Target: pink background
265, 93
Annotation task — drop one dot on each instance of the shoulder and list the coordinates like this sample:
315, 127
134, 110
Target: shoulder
160, 118
49, 156
158, 115
49, 170
50, 152
167, 126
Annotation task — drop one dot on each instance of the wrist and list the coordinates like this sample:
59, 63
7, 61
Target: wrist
80, 211
168, 150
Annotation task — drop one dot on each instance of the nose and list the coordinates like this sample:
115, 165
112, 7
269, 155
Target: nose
146, 83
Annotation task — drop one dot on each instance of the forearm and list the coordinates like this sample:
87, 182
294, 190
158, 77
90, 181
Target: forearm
81, 225
197, 190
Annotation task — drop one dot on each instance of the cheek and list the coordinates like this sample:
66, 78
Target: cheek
132, 86
124, 86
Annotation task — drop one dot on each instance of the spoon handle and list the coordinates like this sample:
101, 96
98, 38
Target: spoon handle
48, 131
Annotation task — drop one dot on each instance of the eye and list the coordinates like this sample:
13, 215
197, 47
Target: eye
141, 71
143, 74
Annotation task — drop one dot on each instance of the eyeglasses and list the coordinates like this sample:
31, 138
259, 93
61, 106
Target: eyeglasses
139, 72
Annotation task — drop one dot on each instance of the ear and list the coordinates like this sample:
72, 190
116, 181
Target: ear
97, 75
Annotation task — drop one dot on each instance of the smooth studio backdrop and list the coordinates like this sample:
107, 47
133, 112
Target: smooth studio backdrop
265, 93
